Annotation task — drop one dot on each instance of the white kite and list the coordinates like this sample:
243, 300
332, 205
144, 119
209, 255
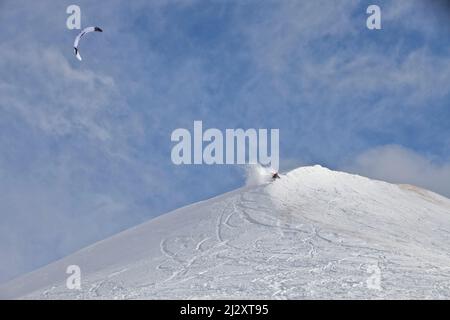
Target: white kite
77, 39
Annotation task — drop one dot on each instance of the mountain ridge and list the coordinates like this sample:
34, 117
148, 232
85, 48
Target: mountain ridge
314, 233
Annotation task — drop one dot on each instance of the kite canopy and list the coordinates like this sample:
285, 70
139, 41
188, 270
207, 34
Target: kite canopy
80, 35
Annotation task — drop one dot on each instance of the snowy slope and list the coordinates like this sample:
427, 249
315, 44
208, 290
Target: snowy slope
314, 233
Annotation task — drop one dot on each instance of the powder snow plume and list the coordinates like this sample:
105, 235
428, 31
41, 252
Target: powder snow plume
256, 174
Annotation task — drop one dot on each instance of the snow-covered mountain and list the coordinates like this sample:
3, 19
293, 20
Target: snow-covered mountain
314, 233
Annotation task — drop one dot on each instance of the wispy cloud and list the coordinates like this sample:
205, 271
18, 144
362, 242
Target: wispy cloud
397, 164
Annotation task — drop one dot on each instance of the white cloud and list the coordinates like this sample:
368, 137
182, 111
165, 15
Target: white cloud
397, 164
45, 91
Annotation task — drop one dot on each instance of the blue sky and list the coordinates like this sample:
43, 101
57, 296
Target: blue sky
86, 146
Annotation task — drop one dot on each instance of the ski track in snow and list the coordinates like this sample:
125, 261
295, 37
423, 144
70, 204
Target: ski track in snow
313, 234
